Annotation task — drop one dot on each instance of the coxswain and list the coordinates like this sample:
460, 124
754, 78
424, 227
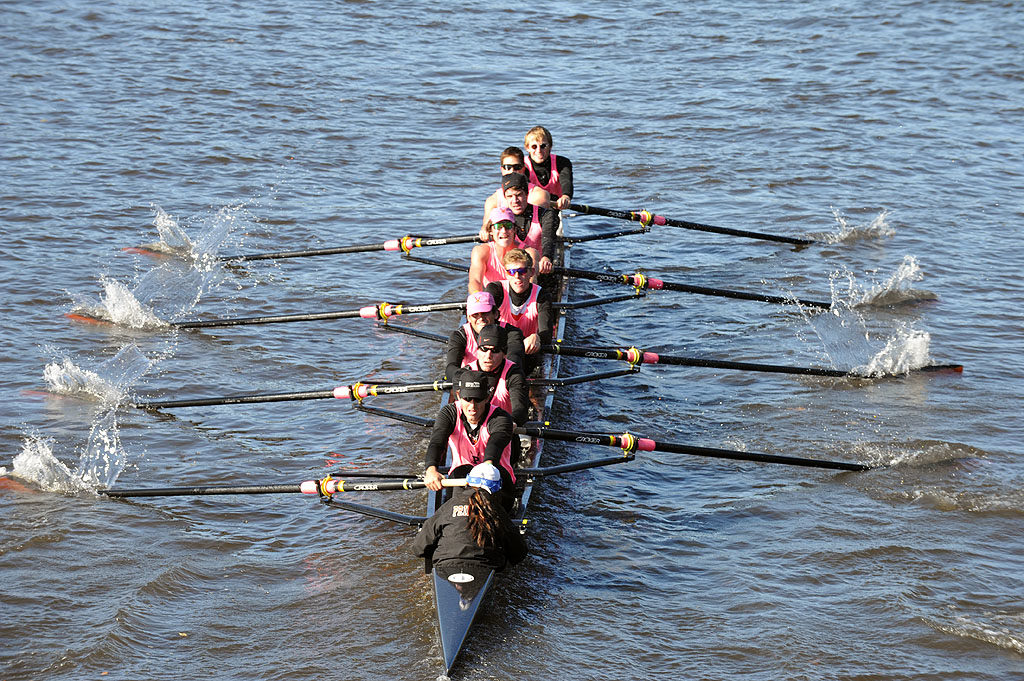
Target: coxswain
522, 303
463, 341
546, 170
470, 530
536, 226
512, 161
475, 430
486, 262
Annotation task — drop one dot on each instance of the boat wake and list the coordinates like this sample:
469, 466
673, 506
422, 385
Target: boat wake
1001, 629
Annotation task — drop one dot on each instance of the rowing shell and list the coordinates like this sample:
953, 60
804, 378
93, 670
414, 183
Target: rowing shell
459, 595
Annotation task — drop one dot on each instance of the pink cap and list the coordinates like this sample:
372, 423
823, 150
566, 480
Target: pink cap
501, 215
478, 302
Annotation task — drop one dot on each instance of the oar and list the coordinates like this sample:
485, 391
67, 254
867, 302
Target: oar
404, 244
641, 281
379, 311
637, 356
360, 391
629, 443
326, 486
647, 218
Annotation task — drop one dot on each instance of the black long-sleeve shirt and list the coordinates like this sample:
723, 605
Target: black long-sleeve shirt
446, 536
457, 349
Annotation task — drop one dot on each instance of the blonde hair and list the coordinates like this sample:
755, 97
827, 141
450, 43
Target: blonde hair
539, 132
518, 255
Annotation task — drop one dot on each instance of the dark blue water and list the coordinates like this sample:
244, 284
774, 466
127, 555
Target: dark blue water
891, 135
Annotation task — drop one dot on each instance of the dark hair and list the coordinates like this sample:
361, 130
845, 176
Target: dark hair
511, 151
483, 519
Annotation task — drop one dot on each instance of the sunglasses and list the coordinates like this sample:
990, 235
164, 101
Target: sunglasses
504, 224
511, 166
542, 145
474, 400
489, 351
516, 271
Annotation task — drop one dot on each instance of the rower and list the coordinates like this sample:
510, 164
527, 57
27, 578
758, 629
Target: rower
510, 390
536, 226
463, 341
547, 171
511, 162
470, 530
476, 431
486, 260
522, 303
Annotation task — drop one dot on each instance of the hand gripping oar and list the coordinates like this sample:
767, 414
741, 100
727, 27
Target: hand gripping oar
325, 487
647, 218
405, 245
641, 281
631, 443
636, 356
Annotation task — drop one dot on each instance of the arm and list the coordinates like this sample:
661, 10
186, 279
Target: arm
500, 428
437, 447
544, 317
477, 267
516, 349
564, 167
497, 291
490, 204
549, 230
539, 197
427, 539
519, 394
456, 351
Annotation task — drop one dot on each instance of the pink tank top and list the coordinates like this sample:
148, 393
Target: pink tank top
465, 451
501, 397
524, 317
553, 187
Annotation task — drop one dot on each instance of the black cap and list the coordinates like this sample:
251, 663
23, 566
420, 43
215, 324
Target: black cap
473, 385
514, 180
493, 336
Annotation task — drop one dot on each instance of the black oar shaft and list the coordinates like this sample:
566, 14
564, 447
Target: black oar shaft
377, 311
641, 281
404, 244
239, 399
647, 444
647, 218
202, 491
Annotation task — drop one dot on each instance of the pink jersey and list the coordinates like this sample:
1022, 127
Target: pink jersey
501, 397
553, 187
466, 451
524, 317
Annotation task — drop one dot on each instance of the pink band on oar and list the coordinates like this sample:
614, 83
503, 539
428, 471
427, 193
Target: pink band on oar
347, 392
651, 358
310, 487
392, 245
656, 284
646, 444
659, 220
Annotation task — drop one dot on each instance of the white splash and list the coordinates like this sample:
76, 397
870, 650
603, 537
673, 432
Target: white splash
878, 228
37, 464
904, 351
103, 458
109, 382
898, 287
